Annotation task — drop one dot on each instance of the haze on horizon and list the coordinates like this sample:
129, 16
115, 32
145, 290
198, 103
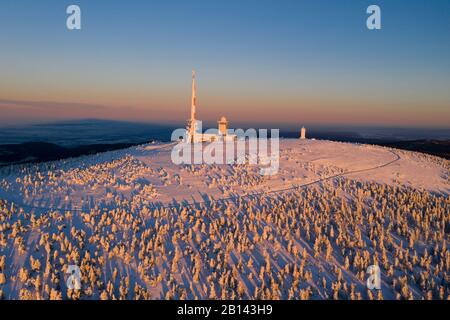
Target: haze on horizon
263, 61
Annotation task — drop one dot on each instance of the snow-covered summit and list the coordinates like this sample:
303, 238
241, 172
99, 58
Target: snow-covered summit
140, 227
144, 175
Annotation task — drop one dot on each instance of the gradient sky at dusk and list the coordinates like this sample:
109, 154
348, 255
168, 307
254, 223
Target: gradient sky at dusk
284, 61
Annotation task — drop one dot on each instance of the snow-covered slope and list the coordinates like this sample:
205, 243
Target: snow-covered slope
141, 226
145, 175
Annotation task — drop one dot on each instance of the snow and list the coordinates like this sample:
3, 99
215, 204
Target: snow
146, 175
174, 229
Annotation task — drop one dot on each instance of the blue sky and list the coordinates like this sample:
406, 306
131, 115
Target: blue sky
291, 61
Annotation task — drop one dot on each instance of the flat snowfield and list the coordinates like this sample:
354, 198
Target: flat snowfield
146, 176
141, 227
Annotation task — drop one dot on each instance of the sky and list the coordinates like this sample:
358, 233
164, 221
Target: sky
257, 61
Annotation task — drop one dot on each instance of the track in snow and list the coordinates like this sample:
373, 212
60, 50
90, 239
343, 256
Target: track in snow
256, 194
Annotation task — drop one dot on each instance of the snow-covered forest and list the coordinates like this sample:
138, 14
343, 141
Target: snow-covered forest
140, 227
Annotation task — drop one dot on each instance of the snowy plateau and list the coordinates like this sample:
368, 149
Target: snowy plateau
140, 227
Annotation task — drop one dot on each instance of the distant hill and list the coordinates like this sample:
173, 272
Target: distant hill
86, 132
43, 151
436, 147
440, 148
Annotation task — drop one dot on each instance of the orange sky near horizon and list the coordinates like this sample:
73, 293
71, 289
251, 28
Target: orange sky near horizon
241, 109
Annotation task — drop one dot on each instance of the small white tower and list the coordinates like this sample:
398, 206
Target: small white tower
303, 133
